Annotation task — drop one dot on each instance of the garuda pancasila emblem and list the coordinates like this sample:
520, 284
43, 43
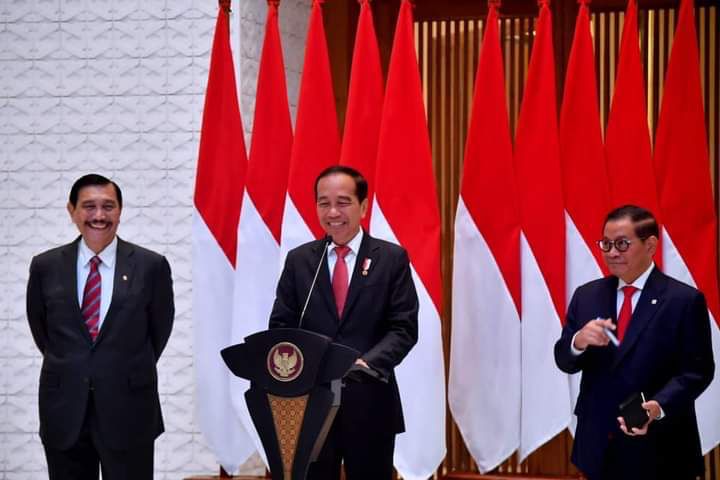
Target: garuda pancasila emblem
285, 362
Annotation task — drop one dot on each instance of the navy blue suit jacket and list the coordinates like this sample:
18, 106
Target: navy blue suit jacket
666, 354
380, 320
119, 367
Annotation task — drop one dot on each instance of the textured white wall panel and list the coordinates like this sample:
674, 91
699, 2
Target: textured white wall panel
116, 87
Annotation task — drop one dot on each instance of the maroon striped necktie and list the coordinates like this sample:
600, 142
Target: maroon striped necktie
91, 298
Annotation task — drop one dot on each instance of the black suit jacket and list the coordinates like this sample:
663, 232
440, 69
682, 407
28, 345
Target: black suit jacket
666, 354
380, 319
119, 367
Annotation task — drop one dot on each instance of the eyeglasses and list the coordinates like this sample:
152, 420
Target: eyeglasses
621, 244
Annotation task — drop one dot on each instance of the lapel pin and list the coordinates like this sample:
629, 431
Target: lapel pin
365, 267
124, 277
653, 301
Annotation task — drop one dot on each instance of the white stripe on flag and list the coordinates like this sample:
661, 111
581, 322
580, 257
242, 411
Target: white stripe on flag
706, 405
421, 379
213, 278
545, 407
295, 231
256, 277
581, 267
484, 385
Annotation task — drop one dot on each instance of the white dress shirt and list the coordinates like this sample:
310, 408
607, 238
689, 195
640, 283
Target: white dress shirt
106, 269
350, 258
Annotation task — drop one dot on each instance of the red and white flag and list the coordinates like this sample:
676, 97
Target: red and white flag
631, 175
545, 407
219, 187
585, 182
364, 108
686, 197
258, 245
406, 212
484, 384
316, 145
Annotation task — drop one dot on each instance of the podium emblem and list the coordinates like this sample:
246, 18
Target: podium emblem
285, 362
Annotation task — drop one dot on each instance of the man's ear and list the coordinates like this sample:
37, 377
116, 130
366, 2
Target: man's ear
363, 208
651, 244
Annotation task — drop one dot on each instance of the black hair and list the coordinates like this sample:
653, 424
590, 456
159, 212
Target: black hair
361, 185
89, 180
643, 220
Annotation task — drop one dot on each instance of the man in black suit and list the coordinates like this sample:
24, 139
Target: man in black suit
100, 311
665, 354
376, 315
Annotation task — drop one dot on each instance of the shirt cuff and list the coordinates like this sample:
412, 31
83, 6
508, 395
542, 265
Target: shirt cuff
574, 350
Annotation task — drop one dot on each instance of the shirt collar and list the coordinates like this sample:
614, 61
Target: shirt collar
639, 282
354, 244
107, 255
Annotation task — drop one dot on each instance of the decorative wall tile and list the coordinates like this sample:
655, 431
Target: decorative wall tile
115, 87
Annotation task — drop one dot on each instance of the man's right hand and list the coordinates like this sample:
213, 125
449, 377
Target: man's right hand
593, 334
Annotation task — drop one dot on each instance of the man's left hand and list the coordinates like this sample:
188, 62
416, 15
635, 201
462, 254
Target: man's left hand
653, 410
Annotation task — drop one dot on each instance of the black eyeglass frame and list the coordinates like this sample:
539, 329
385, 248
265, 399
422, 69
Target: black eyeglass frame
617, 244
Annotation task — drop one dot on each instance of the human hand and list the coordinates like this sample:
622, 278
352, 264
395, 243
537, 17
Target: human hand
593, 333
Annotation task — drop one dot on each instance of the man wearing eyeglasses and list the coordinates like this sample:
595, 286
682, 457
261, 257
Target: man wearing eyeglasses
636, 332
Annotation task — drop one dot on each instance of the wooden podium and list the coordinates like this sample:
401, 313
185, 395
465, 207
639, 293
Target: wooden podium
295, 391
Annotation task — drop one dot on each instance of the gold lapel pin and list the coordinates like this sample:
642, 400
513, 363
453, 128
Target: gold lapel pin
124, 277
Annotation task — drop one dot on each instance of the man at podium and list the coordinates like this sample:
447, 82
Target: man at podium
363, 297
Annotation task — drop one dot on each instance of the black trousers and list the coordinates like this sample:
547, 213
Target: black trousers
89, 455
366, 453
635, 458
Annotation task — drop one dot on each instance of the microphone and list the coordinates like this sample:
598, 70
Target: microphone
326, 242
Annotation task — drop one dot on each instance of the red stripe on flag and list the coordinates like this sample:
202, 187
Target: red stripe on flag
631, 173
405, 185
489, 186
222, 160
317, 144
365, 101
272, 139
585, 182
682, 163
537, 156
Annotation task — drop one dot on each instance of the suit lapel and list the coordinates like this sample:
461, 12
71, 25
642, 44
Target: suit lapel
123, 277
647, 306
69, 271
358, 280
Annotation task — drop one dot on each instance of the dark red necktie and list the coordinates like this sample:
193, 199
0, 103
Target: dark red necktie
91, 298
625, 311
340, 278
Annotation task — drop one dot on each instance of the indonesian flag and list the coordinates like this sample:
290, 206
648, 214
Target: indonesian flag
365, 100
686, 198
545, 409
218, 196
585, 182
631, 174
258, 245
484, 386
406, 212
316, 145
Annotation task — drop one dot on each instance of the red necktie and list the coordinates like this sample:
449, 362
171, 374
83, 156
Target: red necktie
625, 311
340, 278
91, 298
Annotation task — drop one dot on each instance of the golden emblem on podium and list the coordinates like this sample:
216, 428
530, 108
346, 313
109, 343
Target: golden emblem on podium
285, 362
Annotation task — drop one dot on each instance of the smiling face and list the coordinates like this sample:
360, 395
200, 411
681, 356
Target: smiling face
338, 208
630, 264
96, 215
